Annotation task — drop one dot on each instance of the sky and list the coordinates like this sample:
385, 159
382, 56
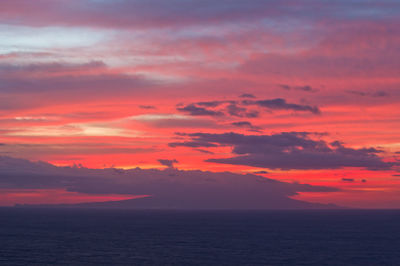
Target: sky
302, 92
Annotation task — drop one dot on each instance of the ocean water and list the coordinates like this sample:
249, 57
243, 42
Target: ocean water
118, 237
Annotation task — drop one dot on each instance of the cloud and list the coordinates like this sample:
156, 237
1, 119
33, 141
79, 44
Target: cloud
194, 110
224, 108
370, 94
261, 172
306, 88
245, 124
102, 83
168, 163
170, 188
234, 110
287, 150
204, 151
241, 108
192, 144
242, 124
348, 179
281, 104
211, 103
180, 13
350, 49
29, 86
247, 95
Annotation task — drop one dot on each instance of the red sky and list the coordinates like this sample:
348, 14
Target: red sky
307, 92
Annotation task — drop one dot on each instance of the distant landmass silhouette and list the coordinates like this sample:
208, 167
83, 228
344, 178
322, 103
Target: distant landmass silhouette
184, 204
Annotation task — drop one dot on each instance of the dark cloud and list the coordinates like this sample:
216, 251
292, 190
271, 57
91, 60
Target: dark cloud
347, 179
194, 110
242, 124
247, 95
168, 163
241, 108
358, 93
261, 172
370, 94
192, 144
169, 188
306, 88
380, 94
210, 103
204, 151
218, 108
281, 104
287, 150
234, 110
245, 124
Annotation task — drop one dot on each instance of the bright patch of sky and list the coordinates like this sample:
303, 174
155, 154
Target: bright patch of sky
21, 38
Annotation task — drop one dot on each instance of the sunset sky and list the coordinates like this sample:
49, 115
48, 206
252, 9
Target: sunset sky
297, 91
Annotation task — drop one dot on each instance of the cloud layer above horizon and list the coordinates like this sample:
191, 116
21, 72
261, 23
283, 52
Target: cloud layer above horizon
193, 189
307, 91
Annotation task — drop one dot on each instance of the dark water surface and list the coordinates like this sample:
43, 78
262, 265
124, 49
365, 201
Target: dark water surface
117, 237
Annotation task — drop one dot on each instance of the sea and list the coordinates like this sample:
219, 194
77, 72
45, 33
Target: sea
34, 236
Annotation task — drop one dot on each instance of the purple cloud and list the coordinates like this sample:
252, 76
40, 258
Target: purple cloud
281, 104
168, 163
287, 150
